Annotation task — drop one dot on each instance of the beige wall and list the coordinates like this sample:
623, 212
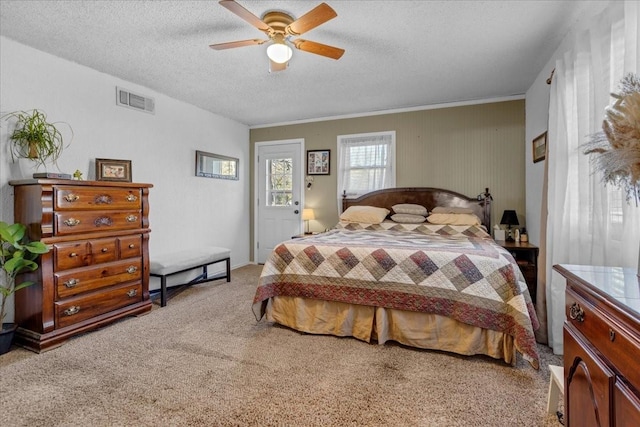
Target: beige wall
463, 149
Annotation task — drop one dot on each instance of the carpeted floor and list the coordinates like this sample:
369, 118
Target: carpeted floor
203, 360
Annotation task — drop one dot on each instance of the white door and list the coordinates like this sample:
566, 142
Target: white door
279, 201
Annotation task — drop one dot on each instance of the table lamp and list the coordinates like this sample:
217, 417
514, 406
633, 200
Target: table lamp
307, 215
509, 218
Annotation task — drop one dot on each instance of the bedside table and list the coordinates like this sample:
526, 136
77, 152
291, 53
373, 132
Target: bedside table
526, 255
299, 236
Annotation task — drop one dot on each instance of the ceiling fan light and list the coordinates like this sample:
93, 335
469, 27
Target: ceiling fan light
279, 52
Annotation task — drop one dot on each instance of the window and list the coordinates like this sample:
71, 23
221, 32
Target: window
279, 182
366, 162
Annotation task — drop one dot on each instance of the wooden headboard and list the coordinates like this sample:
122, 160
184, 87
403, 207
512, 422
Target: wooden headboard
427, 197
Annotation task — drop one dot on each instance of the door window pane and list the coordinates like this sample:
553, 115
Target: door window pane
279, 182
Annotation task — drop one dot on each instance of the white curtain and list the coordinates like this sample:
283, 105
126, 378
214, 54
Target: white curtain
588, 222
366, 162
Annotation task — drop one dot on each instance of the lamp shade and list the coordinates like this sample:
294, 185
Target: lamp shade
279, 52
308, 214
509, 218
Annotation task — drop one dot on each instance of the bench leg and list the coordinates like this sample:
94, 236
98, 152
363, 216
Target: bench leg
556, 388
201, 278
163, 291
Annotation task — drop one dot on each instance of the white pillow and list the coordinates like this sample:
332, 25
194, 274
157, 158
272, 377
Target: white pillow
454, 219
408, 218
411, 209
365, 214
451, 210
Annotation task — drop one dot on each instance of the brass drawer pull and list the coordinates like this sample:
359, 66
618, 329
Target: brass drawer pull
71, 222
72, 310
104, 250
104, 220
71, 283
132, 293
103, 199
131, 198
132, 269
131, 218
71, 197
73, 255
131, 246
576, 312
612, 335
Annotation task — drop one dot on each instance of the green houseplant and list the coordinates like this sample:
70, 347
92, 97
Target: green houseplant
17, 255
35, 138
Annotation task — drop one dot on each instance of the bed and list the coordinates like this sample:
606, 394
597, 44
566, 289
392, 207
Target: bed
442, 287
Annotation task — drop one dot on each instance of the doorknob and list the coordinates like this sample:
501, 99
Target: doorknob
296, 212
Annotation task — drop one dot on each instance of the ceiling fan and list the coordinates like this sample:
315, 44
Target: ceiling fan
280, 27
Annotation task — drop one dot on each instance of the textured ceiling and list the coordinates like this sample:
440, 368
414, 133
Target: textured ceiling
399, 54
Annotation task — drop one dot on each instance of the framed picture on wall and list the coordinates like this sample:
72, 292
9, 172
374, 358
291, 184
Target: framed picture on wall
318, 162
539, 147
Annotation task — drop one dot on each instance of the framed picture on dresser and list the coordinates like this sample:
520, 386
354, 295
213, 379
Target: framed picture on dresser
113, 170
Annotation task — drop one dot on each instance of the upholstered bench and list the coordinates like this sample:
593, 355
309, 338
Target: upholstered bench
166, 265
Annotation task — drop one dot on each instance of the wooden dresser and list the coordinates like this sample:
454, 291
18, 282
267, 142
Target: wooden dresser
601, 346
97, 269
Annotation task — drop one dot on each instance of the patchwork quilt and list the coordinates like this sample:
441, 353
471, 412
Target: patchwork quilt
454, 271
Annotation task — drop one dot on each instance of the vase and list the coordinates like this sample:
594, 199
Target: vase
6, 336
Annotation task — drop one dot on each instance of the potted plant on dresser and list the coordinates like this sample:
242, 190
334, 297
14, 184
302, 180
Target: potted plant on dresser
16, 256
35, 138
616, 149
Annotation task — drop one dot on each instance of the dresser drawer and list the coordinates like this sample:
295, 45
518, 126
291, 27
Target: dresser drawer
75, 222
626, 406
96, 198
130, 246
604, 334
77, 309
77, 281
83, 253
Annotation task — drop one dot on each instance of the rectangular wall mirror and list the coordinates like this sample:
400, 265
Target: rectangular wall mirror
211, 165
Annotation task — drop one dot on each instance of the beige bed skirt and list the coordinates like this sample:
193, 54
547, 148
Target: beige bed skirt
421, 330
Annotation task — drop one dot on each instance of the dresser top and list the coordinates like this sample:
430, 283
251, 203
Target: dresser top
621, 286
47, 181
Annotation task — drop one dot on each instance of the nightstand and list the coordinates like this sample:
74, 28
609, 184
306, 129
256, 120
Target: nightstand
299, 236
526, 255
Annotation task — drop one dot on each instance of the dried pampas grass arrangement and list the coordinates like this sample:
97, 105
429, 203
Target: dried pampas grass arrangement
616, 148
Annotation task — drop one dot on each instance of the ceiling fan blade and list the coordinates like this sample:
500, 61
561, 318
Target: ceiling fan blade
241, 43
318, 48
274, 66
316, 16
243, 13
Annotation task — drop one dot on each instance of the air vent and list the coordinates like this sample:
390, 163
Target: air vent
135, 101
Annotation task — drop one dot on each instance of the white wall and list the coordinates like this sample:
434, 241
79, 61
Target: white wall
537, 114
185, 210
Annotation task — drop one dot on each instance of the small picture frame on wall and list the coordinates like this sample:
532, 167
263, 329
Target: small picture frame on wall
113, 170
539, 147
318, 162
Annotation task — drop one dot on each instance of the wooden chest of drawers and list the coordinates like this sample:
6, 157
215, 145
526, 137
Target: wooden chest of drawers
601, 346
97, 269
